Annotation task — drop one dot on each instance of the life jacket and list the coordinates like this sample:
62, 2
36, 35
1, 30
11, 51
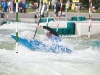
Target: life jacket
54, 38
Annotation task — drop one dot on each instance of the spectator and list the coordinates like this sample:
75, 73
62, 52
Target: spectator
14, 6
77, 8
4, 6
9, 6
67, 5
35, 5
0, 4
99, 9
24, 5
30, 5
52, 3
20, 6
82, 8
93, 9
41, 9
57, 8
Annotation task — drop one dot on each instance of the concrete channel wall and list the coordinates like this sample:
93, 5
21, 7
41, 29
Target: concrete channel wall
82, 29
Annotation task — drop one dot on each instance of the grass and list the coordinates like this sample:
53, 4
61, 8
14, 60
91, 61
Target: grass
82, 11
30, 10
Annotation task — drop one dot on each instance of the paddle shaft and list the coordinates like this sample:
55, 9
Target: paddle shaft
36, 27
38, 21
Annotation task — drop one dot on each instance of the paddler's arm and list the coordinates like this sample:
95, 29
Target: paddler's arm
39, 26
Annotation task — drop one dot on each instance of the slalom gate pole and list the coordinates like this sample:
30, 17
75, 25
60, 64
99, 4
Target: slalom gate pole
7, 16
38, 21
16, 26
47, 11
59, 15
54, 9
90, 18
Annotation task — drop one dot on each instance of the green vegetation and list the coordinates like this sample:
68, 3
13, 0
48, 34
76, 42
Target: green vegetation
84, 2
30, 10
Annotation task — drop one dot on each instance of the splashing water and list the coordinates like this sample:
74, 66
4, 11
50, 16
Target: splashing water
85, 60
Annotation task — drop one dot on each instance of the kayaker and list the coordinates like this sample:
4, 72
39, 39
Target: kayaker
51, 35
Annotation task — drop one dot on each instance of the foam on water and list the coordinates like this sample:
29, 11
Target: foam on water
84, 61
39, 63
21, 25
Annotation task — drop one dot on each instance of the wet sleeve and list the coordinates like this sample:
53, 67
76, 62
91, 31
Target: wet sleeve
45, 27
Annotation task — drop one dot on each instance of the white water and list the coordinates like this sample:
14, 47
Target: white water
85, 60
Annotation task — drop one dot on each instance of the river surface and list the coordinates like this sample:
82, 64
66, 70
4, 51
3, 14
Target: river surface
84, 61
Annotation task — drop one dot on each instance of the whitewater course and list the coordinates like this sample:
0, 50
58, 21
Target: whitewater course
84, 60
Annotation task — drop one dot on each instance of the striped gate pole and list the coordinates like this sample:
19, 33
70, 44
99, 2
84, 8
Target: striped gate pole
61, 7
16, 26
90, 18
55, 9
47, 11
7, 17
61, 1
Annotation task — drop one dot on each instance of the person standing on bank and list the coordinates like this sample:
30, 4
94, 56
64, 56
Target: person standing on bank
9, 6
14, 6
42, 9
4, 6
24, 6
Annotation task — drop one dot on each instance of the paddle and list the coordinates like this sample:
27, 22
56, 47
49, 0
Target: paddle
38, 22
37, 27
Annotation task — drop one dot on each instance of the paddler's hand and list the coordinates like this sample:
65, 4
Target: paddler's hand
38, 26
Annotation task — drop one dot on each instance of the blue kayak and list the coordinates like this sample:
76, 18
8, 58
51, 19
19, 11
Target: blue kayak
37, 45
